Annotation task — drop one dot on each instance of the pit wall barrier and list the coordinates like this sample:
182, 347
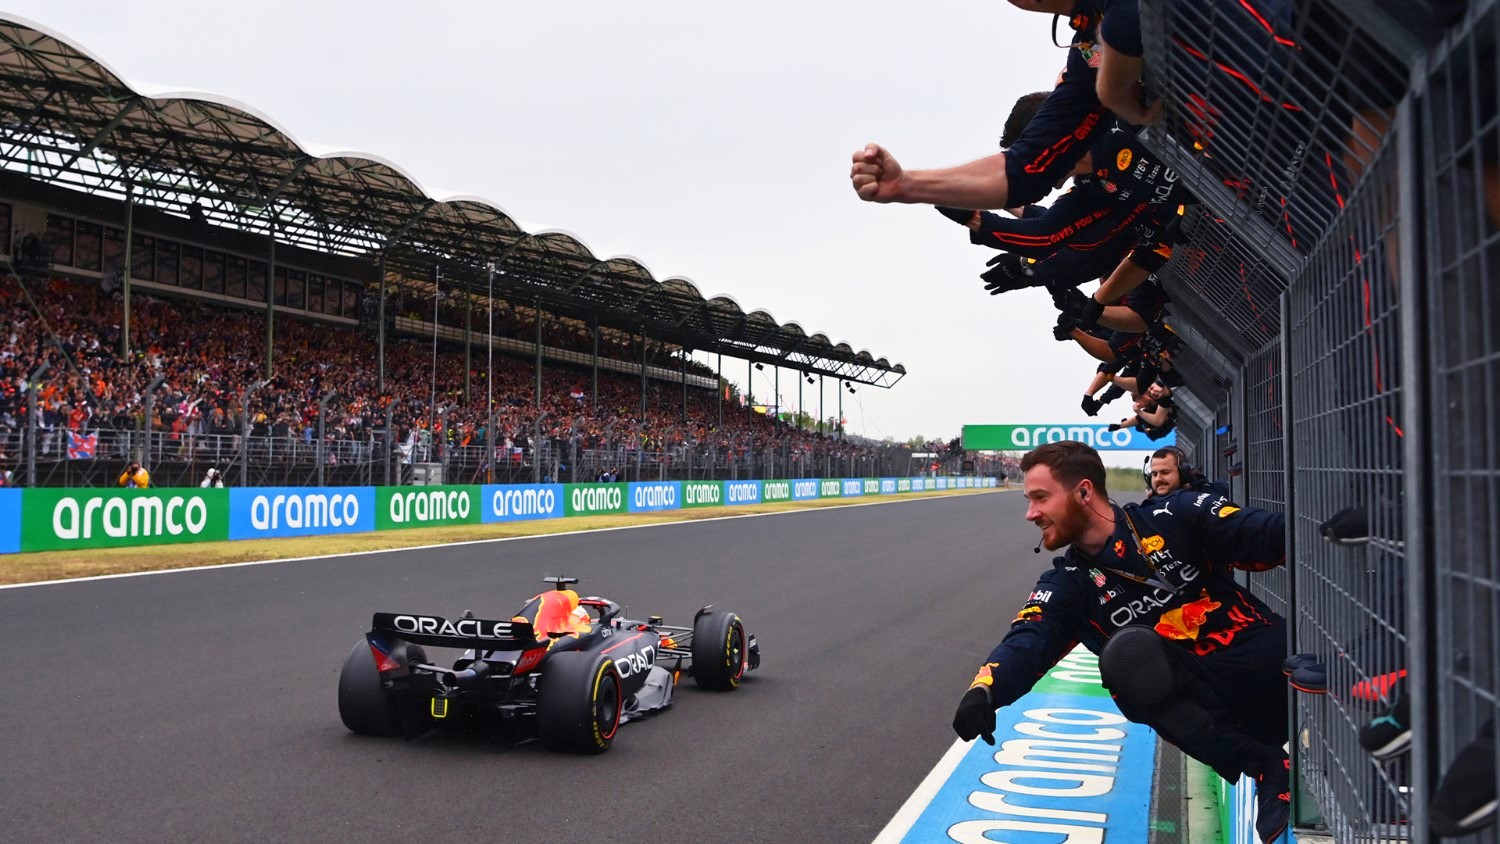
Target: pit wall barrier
83, 519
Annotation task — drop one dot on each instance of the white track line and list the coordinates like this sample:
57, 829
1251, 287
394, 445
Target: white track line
465, 542
912, 809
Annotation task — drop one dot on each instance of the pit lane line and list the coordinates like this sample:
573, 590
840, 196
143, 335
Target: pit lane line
475, 542
906, 816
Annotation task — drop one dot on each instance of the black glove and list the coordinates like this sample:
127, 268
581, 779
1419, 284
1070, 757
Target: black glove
1063, 331
1088, 315
1115, 426
1067, 299
1092, 405
962, 216
975, 716
1007, 272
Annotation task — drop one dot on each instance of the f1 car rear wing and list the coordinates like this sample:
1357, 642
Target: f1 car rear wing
477, 633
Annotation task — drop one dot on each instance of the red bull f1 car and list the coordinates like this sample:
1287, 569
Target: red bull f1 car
566, 670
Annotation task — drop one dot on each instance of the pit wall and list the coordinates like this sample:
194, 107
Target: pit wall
84, 519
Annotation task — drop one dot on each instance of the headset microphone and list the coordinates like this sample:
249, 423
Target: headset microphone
1038, 548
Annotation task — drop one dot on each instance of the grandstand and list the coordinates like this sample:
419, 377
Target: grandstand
294, 317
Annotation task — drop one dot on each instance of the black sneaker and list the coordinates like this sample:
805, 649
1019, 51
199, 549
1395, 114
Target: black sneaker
1290, 665
1311, 679
1229, 450
1236, 470
1390, 733
1465, 798
1273, 804
1092, 405
1350, 526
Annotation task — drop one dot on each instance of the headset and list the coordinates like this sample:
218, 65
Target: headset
1185, 470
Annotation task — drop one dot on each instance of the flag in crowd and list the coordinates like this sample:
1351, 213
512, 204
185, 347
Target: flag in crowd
82, 446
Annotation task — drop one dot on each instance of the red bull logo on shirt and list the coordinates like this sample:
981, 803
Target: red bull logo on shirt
1183, 622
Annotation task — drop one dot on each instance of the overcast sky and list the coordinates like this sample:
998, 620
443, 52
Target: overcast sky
706, 140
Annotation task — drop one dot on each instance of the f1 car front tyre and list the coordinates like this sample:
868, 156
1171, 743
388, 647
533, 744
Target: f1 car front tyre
579, 702
364, 706
720, 648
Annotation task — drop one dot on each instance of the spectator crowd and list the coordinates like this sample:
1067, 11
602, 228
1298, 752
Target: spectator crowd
206, 358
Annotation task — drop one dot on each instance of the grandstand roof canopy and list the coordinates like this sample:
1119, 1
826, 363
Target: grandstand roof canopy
67, 118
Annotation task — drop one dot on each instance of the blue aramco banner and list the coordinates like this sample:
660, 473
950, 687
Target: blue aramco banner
258, 512
649, 496
521, 502
742, 492
10, 521
851, 487
805, 489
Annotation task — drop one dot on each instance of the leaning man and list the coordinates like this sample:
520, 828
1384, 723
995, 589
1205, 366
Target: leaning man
1182, 648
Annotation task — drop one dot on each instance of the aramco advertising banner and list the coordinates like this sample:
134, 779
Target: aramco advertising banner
64, 519
594, 499
804, 489
742, 492
523, 502
47, 519
1027, 437
10, 521
702, 494
650, 496
426, 506
262, 511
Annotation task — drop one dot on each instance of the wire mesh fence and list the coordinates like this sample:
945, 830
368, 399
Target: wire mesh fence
1462, 167
1261, 445
1347, 161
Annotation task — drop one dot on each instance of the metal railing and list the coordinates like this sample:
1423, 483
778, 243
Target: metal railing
369, 458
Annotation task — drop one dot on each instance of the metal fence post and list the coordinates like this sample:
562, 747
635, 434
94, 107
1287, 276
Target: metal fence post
536, 449
388, 449
322, 428
1414, 287
32, 412
150, 406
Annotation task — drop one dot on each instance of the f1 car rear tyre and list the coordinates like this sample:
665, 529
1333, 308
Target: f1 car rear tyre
579, 702
364, 706
720, 648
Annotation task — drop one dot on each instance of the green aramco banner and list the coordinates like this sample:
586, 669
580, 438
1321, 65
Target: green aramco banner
61, 519
426, 506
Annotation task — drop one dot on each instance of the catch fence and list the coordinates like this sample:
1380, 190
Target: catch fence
1342, 262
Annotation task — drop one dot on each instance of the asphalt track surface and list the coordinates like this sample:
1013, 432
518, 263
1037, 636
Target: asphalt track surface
200, 705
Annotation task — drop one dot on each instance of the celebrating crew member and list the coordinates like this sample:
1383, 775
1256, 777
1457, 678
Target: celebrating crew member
1182, 647
1103, 60
1170, 471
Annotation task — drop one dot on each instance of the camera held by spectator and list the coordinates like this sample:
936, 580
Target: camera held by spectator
135, 476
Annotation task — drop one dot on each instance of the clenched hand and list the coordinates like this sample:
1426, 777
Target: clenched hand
876, 175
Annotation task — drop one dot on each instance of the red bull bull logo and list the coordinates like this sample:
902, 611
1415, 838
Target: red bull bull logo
1183, 622
984, 677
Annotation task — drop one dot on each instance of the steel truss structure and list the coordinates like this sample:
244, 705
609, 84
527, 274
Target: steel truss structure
67, 118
